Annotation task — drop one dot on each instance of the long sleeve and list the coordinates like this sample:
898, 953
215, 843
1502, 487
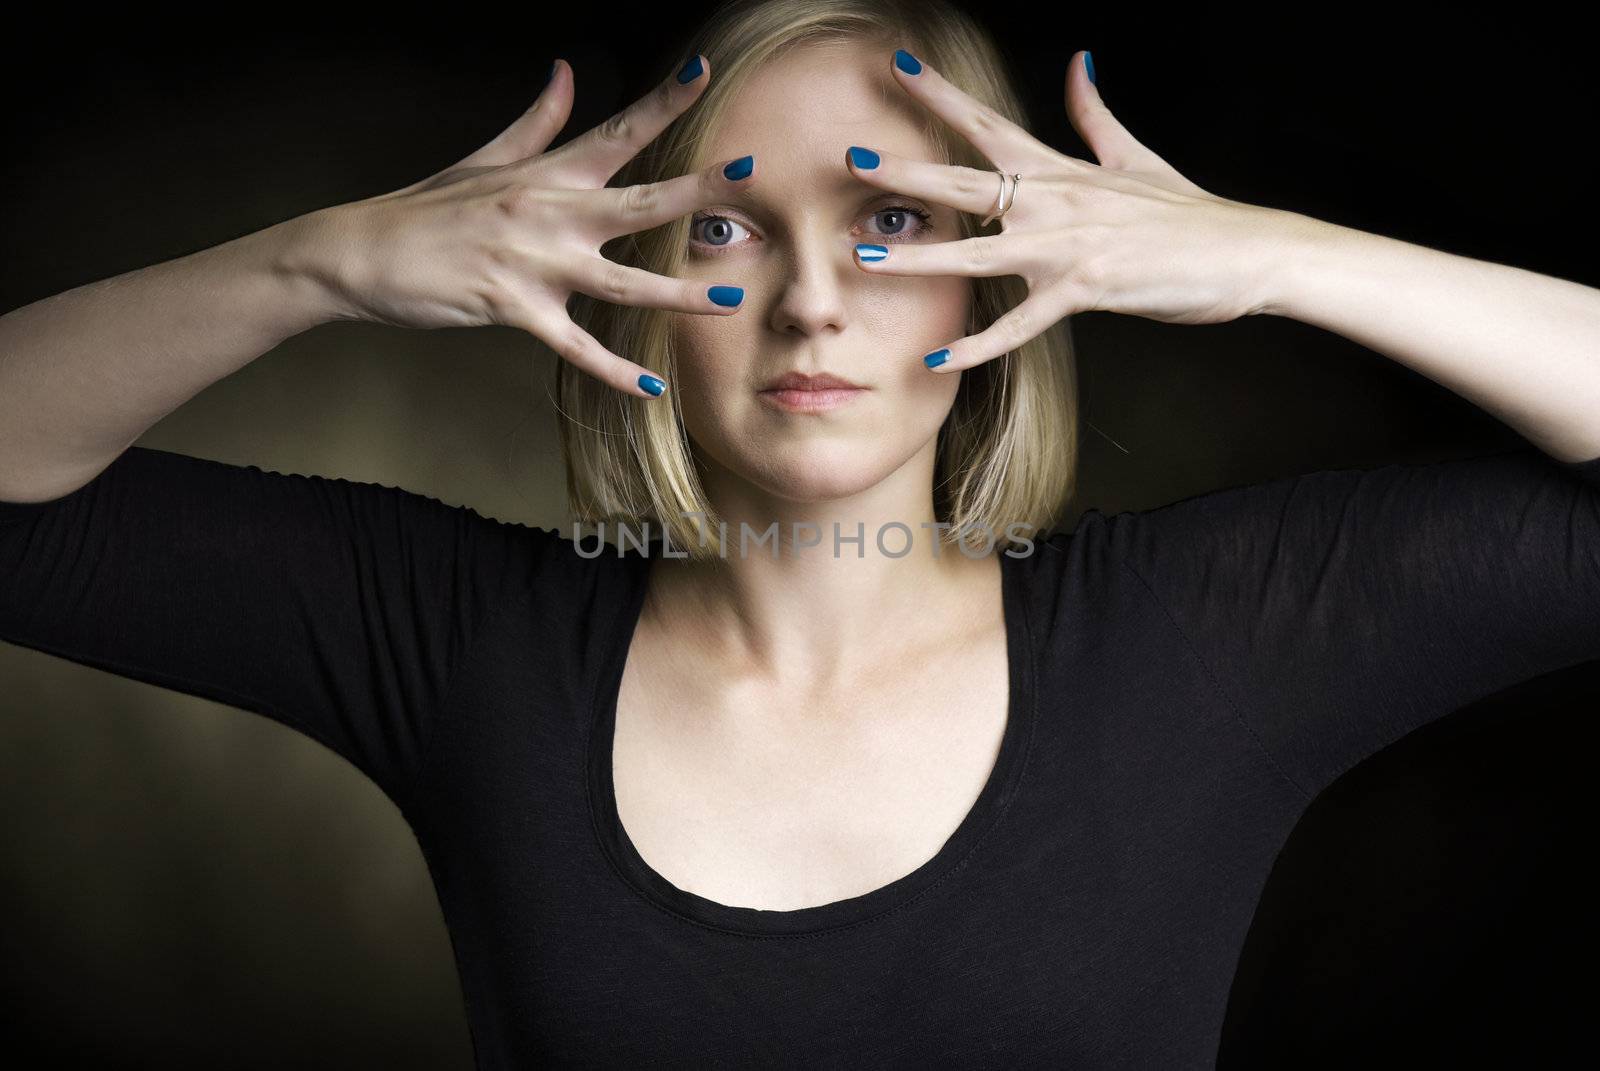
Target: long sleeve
1339, 610
338, 608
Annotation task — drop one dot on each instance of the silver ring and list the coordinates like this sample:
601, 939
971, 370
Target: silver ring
1003, 202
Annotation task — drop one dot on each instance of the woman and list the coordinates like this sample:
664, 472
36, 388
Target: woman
849, 806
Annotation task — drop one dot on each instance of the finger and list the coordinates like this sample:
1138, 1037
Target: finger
1022, 324
1002, 142
623, 284
601, 152
984, 255
576, 346
964, 188
535, 129
1103, 133
1110, 142
639, 208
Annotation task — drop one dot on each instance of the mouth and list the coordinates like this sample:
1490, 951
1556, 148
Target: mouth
797, 392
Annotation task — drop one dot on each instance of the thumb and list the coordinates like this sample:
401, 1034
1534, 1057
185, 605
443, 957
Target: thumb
535, 129
1107, 138
1104, 134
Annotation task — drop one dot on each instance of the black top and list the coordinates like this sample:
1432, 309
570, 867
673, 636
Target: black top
1184, 680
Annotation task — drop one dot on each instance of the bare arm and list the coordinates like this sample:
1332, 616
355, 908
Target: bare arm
505, 236
1521, 345
84, 373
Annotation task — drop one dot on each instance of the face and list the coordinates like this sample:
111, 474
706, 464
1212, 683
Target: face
788, 239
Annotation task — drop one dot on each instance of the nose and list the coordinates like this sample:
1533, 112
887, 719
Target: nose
813, 286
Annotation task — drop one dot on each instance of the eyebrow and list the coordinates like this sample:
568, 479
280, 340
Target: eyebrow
843, 187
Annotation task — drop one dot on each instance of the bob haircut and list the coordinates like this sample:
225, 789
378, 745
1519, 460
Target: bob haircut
1007, 451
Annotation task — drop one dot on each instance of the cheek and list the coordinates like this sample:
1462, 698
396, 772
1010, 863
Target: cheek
932, 314
715, 344
953, 295
914, 326
713, 357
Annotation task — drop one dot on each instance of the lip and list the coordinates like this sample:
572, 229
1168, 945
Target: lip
798, 392
803, 381
811, 401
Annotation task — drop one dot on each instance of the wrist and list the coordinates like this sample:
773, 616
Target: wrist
304, 257
1293, 255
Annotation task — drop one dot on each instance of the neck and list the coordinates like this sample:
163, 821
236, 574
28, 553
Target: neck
814, 615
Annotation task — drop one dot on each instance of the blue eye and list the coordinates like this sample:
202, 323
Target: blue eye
915, 221
723, 223
718, 234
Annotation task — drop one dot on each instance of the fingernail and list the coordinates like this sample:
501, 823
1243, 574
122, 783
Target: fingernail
691, 70
726, 296
549, 76
740, 168
652, 384
1088, 66
865, 159
936, 358
872, 252
907, 62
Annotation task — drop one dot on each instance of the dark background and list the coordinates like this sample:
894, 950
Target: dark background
182, 883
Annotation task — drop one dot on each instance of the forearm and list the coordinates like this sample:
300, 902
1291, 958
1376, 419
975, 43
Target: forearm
1520, 345
84, 373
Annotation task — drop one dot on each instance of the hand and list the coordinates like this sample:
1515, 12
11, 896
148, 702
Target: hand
1128, 235
506, 235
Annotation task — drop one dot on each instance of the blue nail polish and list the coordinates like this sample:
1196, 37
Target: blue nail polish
865, 159
871, 253
907, 62
652, 384
936, 358
691, 70
549, 76
1088, 66
740, 168
726, 296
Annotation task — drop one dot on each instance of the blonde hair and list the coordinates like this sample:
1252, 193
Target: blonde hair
1007, 451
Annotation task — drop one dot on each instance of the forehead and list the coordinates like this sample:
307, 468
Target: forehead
801, 111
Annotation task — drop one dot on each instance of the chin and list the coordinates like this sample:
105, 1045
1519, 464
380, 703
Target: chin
815, 467
821, 476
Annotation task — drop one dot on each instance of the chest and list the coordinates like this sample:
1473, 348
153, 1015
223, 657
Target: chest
758, 797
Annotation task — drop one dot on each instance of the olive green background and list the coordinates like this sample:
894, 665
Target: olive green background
182, 882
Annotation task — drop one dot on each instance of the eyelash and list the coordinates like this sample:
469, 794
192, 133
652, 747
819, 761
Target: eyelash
921, 227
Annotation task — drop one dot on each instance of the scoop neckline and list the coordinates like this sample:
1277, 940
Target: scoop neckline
991, 804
